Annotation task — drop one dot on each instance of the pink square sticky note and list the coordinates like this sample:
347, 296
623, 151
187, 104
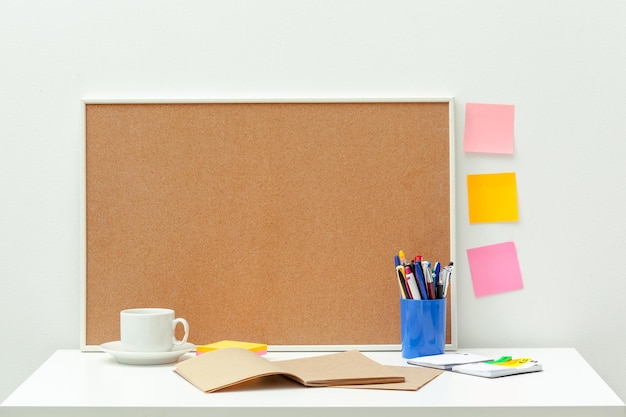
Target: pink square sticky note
489, 128
494, 269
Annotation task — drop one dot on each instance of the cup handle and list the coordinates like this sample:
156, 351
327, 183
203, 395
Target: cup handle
185, 326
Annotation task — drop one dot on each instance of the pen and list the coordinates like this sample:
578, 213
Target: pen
435, 275
419, 275
436, 270
448, 270
440, 284
411, 285
430, 286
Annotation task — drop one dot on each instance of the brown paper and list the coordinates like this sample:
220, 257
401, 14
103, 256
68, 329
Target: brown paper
223, 368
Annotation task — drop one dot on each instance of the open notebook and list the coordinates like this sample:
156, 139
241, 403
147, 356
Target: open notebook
223, 368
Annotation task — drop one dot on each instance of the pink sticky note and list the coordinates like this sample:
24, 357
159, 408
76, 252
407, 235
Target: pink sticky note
489, 128
494, 269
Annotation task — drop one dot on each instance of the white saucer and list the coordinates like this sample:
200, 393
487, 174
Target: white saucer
145, 358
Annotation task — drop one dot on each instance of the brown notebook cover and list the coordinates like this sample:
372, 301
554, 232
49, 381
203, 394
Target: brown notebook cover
222, 368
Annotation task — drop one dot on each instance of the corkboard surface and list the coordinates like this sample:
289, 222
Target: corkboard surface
268, 222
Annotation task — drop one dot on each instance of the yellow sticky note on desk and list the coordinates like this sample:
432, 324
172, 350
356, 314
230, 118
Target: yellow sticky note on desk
258, 348
492, 197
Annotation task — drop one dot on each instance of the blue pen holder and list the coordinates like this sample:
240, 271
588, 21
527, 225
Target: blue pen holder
423, 327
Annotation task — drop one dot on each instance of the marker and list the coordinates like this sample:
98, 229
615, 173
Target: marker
411, 284
402, 258
396, 259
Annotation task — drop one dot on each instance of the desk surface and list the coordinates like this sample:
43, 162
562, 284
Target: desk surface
77, 383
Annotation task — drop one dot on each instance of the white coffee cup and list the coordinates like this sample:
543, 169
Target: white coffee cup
150, 329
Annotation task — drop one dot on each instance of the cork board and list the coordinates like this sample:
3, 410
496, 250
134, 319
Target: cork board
274, 222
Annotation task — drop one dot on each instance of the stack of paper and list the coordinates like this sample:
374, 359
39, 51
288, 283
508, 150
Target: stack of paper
496, 369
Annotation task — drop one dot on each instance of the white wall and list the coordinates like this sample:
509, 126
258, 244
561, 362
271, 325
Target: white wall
561, 63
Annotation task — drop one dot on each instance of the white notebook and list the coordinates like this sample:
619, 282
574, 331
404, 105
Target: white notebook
494, 370
448, 360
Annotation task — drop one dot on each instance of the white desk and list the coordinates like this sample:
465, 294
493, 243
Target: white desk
73, 383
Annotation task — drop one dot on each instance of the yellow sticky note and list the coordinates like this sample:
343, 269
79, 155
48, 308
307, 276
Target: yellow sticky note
259, 348
492, 197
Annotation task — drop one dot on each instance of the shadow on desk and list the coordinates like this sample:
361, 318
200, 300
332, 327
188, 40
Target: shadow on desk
269, 382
